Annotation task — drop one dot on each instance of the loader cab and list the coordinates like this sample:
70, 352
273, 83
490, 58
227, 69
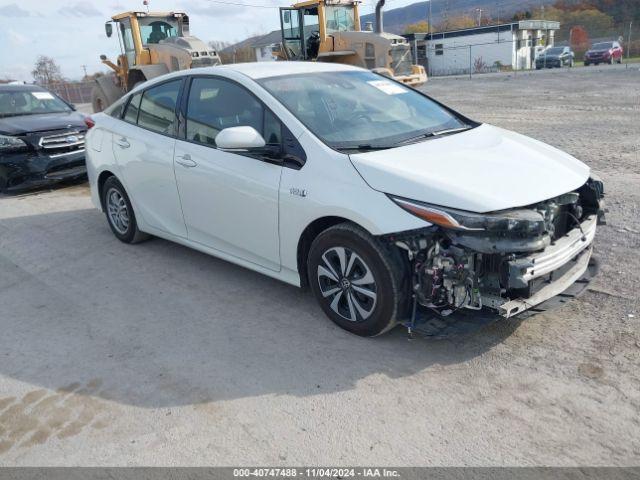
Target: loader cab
137, 30
307, 25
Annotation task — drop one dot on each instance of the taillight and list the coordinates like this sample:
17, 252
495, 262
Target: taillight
88, 121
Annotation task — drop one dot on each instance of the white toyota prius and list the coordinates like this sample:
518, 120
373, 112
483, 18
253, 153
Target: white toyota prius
386, 203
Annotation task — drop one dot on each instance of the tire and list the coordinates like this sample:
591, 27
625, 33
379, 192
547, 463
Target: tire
119, 212
586, 64
368, 291
4, 178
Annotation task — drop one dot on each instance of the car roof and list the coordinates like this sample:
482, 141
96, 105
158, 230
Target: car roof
6, 87
257, 70
278, 68
254, 70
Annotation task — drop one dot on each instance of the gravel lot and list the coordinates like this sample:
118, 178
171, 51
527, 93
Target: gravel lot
158, 355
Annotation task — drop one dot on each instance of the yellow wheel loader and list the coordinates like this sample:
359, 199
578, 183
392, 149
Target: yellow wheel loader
329, 31
151, 44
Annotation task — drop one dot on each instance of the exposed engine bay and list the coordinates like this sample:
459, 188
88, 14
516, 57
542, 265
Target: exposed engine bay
506, 261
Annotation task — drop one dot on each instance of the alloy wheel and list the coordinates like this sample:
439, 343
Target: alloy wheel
117, 211
347, 283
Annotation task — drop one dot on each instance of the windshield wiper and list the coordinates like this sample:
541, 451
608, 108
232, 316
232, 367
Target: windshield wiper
364, 148
368, 147
422, 136
23, 114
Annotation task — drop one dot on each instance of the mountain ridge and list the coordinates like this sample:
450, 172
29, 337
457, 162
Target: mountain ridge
397, 19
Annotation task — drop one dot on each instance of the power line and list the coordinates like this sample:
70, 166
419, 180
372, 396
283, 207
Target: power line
239, 4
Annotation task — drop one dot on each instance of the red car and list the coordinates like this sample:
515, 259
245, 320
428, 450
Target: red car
603, 52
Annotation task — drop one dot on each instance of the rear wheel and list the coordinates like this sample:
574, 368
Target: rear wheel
361, 284
119, 212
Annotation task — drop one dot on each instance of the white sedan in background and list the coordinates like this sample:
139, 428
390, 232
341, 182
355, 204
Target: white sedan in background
383, 201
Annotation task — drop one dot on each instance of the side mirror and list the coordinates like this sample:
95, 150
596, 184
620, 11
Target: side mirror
108, 29
239, 138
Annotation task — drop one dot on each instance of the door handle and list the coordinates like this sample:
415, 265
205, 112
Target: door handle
186, 161
123, 143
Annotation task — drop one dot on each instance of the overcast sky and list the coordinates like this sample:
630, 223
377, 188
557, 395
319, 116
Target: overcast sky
72, 31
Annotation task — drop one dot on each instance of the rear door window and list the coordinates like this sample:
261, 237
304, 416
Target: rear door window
158, 108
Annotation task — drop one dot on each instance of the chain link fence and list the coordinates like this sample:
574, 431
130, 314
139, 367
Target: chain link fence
502, 51
72, 92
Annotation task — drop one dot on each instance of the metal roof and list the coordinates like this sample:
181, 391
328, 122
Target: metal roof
503, 27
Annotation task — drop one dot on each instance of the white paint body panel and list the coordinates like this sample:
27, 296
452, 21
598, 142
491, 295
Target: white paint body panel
230, 203
146, 166
253, 213
481, 170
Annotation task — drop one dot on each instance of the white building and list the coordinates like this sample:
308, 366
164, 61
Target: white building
483, 48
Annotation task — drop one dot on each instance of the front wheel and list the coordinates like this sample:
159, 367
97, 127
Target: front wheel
361, 283
119, 211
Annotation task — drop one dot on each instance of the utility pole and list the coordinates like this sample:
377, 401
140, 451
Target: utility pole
84, 67
427, 47
498, 8
430, 27
629, 42
479, 10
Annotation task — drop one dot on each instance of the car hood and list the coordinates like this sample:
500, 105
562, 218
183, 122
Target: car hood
480, 170
40, 123
548, 56
590, 52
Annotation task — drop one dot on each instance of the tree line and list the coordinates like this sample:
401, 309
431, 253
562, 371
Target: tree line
598, 17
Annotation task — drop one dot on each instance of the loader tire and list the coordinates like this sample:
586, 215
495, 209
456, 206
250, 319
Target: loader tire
98, 100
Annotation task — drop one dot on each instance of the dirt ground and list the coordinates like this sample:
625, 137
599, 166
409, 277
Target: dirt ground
154, 354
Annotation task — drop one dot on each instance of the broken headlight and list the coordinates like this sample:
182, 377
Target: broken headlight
518, 221
11, 144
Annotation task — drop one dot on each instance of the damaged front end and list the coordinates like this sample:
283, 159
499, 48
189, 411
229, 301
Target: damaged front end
508, 261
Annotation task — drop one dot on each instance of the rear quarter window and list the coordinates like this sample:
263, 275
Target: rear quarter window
131, 114
158, 108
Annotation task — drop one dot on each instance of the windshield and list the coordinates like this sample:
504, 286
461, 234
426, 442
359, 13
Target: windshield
25, 102
554, 51
360, 109
152, 30
602, 46
340, 18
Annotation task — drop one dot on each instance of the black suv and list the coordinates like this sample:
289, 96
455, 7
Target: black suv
41, 138
554, 57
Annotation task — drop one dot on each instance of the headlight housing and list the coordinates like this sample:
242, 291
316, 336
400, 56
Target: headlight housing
11, 144
519, 221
